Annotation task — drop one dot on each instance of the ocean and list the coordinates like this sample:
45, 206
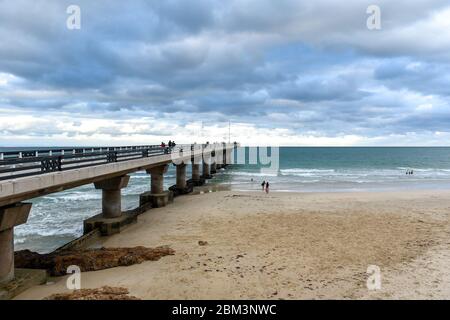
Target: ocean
57, 218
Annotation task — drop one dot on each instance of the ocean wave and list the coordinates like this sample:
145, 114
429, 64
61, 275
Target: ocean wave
79, 196
41, 232
137, 177
302, 170
395, 172
252, 174
424, 169
147, 176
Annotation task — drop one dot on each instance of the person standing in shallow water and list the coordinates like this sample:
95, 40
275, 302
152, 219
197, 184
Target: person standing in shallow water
267, 187
263, 185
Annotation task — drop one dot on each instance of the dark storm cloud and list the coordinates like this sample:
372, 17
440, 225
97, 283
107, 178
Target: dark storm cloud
296, 65
424, 77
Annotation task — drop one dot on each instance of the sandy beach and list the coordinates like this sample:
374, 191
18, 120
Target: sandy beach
285, 246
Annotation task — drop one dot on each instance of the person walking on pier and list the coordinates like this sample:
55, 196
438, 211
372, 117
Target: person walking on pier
165, 149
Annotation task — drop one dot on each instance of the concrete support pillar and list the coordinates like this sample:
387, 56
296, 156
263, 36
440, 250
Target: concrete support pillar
213, 168
157, 178
10, 216
224, 157
218, 158
228, 156
207, 160
206, 170
195, 172
111, 195
181, 176
196, 160
157, 197
6, 255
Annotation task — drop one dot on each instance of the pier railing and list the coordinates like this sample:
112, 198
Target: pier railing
22, 163
29, 162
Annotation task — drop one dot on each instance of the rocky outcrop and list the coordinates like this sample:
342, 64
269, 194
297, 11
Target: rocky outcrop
103, 293
89, 259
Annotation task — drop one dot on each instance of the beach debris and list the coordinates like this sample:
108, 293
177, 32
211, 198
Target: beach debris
202, 243
56, 263
103, 293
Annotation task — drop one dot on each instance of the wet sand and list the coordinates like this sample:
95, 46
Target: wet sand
285, 246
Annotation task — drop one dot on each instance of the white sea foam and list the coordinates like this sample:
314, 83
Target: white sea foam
302, 170
397, 172
29, 232
80, 196
252, 174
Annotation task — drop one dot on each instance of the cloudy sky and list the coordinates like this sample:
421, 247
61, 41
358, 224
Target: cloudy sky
283, 72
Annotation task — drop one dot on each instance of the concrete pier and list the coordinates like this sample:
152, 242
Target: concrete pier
111, 195
42, 183
108, 169
10, 217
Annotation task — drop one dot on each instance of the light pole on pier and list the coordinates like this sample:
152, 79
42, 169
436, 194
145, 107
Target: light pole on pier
229, 131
